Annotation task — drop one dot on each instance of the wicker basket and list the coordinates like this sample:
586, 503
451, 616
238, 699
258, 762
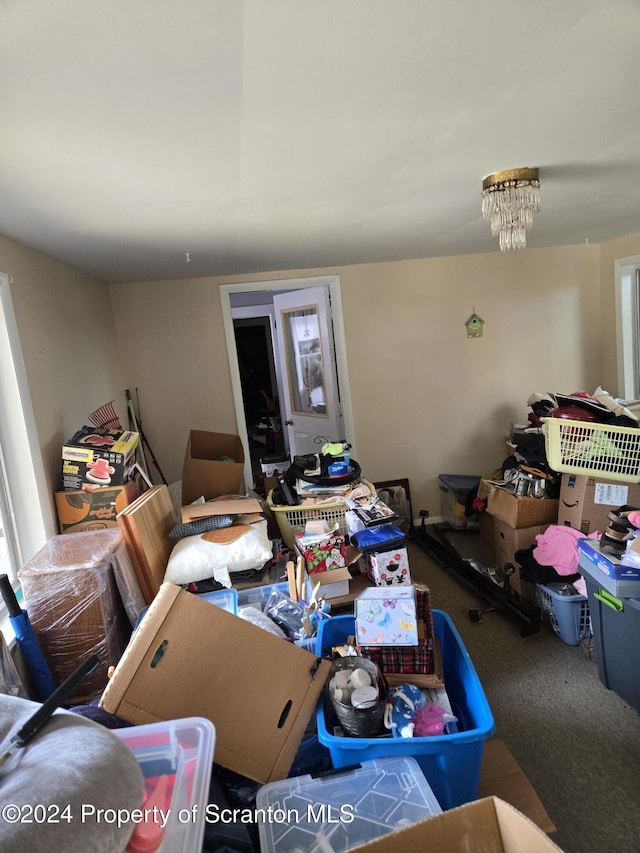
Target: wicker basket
360, 722
292, 519
598, 450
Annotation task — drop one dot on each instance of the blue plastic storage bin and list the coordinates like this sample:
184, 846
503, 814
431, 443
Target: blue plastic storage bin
451, 763
225, 598
257, 596
567, 614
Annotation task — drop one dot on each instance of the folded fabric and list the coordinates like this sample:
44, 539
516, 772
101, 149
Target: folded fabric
558, 547
200, 525
531, 570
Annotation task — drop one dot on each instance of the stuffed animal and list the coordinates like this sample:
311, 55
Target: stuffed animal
408, 714
402, 704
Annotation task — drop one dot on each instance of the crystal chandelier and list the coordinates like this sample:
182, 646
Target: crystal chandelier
509, 200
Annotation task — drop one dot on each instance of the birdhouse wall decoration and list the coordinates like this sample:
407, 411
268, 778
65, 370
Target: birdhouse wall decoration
474, 326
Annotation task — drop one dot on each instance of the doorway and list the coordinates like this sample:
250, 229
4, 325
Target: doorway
255, 300
260, 394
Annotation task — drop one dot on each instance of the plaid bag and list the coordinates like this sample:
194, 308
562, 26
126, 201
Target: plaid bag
409, 659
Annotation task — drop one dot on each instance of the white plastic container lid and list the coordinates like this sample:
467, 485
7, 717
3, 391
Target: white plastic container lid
345, 808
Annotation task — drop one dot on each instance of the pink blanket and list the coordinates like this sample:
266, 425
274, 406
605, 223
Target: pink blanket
558, 547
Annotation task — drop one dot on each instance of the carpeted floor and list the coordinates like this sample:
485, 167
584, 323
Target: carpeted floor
578, 743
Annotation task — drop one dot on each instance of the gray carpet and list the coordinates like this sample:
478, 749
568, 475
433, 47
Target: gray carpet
578, 743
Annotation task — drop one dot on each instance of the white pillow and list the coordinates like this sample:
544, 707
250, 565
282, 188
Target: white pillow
194, 559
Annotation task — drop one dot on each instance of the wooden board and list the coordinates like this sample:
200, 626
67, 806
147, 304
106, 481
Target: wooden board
145, 525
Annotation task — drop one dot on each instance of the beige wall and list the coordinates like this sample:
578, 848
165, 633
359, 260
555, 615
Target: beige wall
68, 341
426, 399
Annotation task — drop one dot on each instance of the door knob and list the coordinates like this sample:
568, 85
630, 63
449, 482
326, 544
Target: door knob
288, 423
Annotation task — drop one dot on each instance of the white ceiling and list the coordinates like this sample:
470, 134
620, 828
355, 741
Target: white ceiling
261, 135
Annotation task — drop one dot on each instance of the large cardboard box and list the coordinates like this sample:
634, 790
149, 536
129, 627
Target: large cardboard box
585, 502
516, 511
93, 510
489, 825
507, 541
213, 466
99, 457
189, 659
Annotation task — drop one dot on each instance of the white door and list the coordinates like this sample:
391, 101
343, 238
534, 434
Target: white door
311, 405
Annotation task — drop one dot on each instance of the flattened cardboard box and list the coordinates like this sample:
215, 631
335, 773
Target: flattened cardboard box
489, 825
188, 659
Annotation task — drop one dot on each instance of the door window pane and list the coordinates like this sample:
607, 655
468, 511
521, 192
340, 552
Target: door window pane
305, 363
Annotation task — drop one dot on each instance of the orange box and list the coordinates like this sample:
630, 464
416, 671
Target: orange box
80, 510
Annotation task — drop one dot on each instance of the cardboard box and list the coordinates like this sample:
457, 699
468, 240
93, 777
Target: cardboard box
487, 529
501, 776
98, 457
213, 466
508, 540
386, 568
189, 659
333, 584
489, 825
516, 511
93, 510
585, 502
387, 616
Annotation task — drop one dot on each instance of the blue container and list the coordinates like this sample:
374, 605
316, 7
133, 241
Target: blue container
225, 598
257, 596
451, 763
568, 614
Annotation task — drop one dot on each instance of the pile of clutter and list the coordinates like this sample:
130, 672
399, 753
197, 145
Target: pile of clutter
622, 536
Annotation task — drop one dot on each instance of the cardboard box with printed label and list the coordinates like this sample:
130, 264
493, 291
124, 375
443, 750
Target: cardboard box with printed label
516, 511
213, 466
507, 541
81, 509
585, 502
98, 457
189, 659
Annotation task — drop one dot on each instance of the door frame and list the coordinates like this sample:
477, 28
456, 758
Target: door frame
333, 283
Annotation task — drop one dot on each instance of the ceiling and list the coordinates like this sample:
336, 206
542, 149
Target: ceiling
261, 135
